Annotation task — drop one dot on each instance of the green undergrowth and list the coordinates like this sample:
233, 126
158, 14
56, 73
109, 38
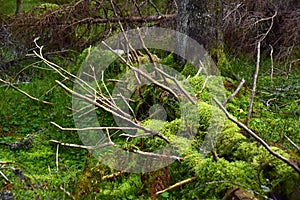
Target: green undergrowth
238, 160
8, 7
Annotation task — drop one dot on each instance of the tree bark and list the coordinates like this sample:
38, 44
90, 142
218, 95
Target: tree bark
202, 21
19, 6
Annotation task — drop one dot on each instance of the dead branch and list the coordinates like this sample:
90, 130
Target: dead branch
56, 157
254, 84
272, 63
258, 65
23, 92
178, 85
3, 175
134, 124
181, 183
83, 146
121, 19
67, 193
257, 138
155, 155
235, 92
142, 73
6, 163
93, 128
204, 85
270, 27
112, 176
293, 143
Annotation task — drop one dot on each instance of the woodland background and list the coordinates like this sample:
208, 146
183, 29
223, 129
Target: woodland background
34, 164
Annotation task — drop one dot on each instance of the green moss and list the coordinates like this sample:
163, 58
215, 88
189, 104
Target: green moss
189, 70
196, 83
223, 175
229, 139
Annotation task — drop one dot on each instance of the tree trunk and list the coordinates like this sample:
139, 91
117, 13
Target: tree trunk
202, 21
19, 6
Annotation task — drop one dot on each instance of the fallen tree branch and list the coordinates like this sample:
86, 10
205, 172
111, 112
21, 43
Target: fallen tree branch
254, 85
293, 143
83, 146
155, 155
149, 131
6, 163
93, 128
257, 138
67, 193
5, 178
176, 185
235, 92
23, 92
111, 176
142, 73
95, 20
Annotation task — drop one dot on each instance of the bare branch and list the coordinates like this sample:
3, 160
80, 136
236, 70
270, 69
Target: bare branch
272, 64
56, 157
271, 26
111, 176
83, 146
235, 92
23, 92
155, 155
254, 85
142, 73
204, 84
178, 85
293, 143
3, 175
152, 133
257, 138
179, 184
93, 128
67, 193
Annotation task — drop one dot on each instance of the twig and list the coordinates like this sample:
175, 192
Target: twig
56, 158
204, 84
272, 63
232, 11
152, 60
235, 92
293, 143
213, 149
143, 73
67, 193
257, 138
254, 84
151, 133
23, 92
6, 163
181, 183
3, 175
178, 85
271, 26
155, 155
93, 128
154, 6
59, 70
111, 176
83, 146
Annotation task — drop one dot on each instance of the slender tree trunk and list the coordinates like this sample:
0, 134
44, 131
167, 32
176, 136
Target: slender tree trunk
19, 6
202, 21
